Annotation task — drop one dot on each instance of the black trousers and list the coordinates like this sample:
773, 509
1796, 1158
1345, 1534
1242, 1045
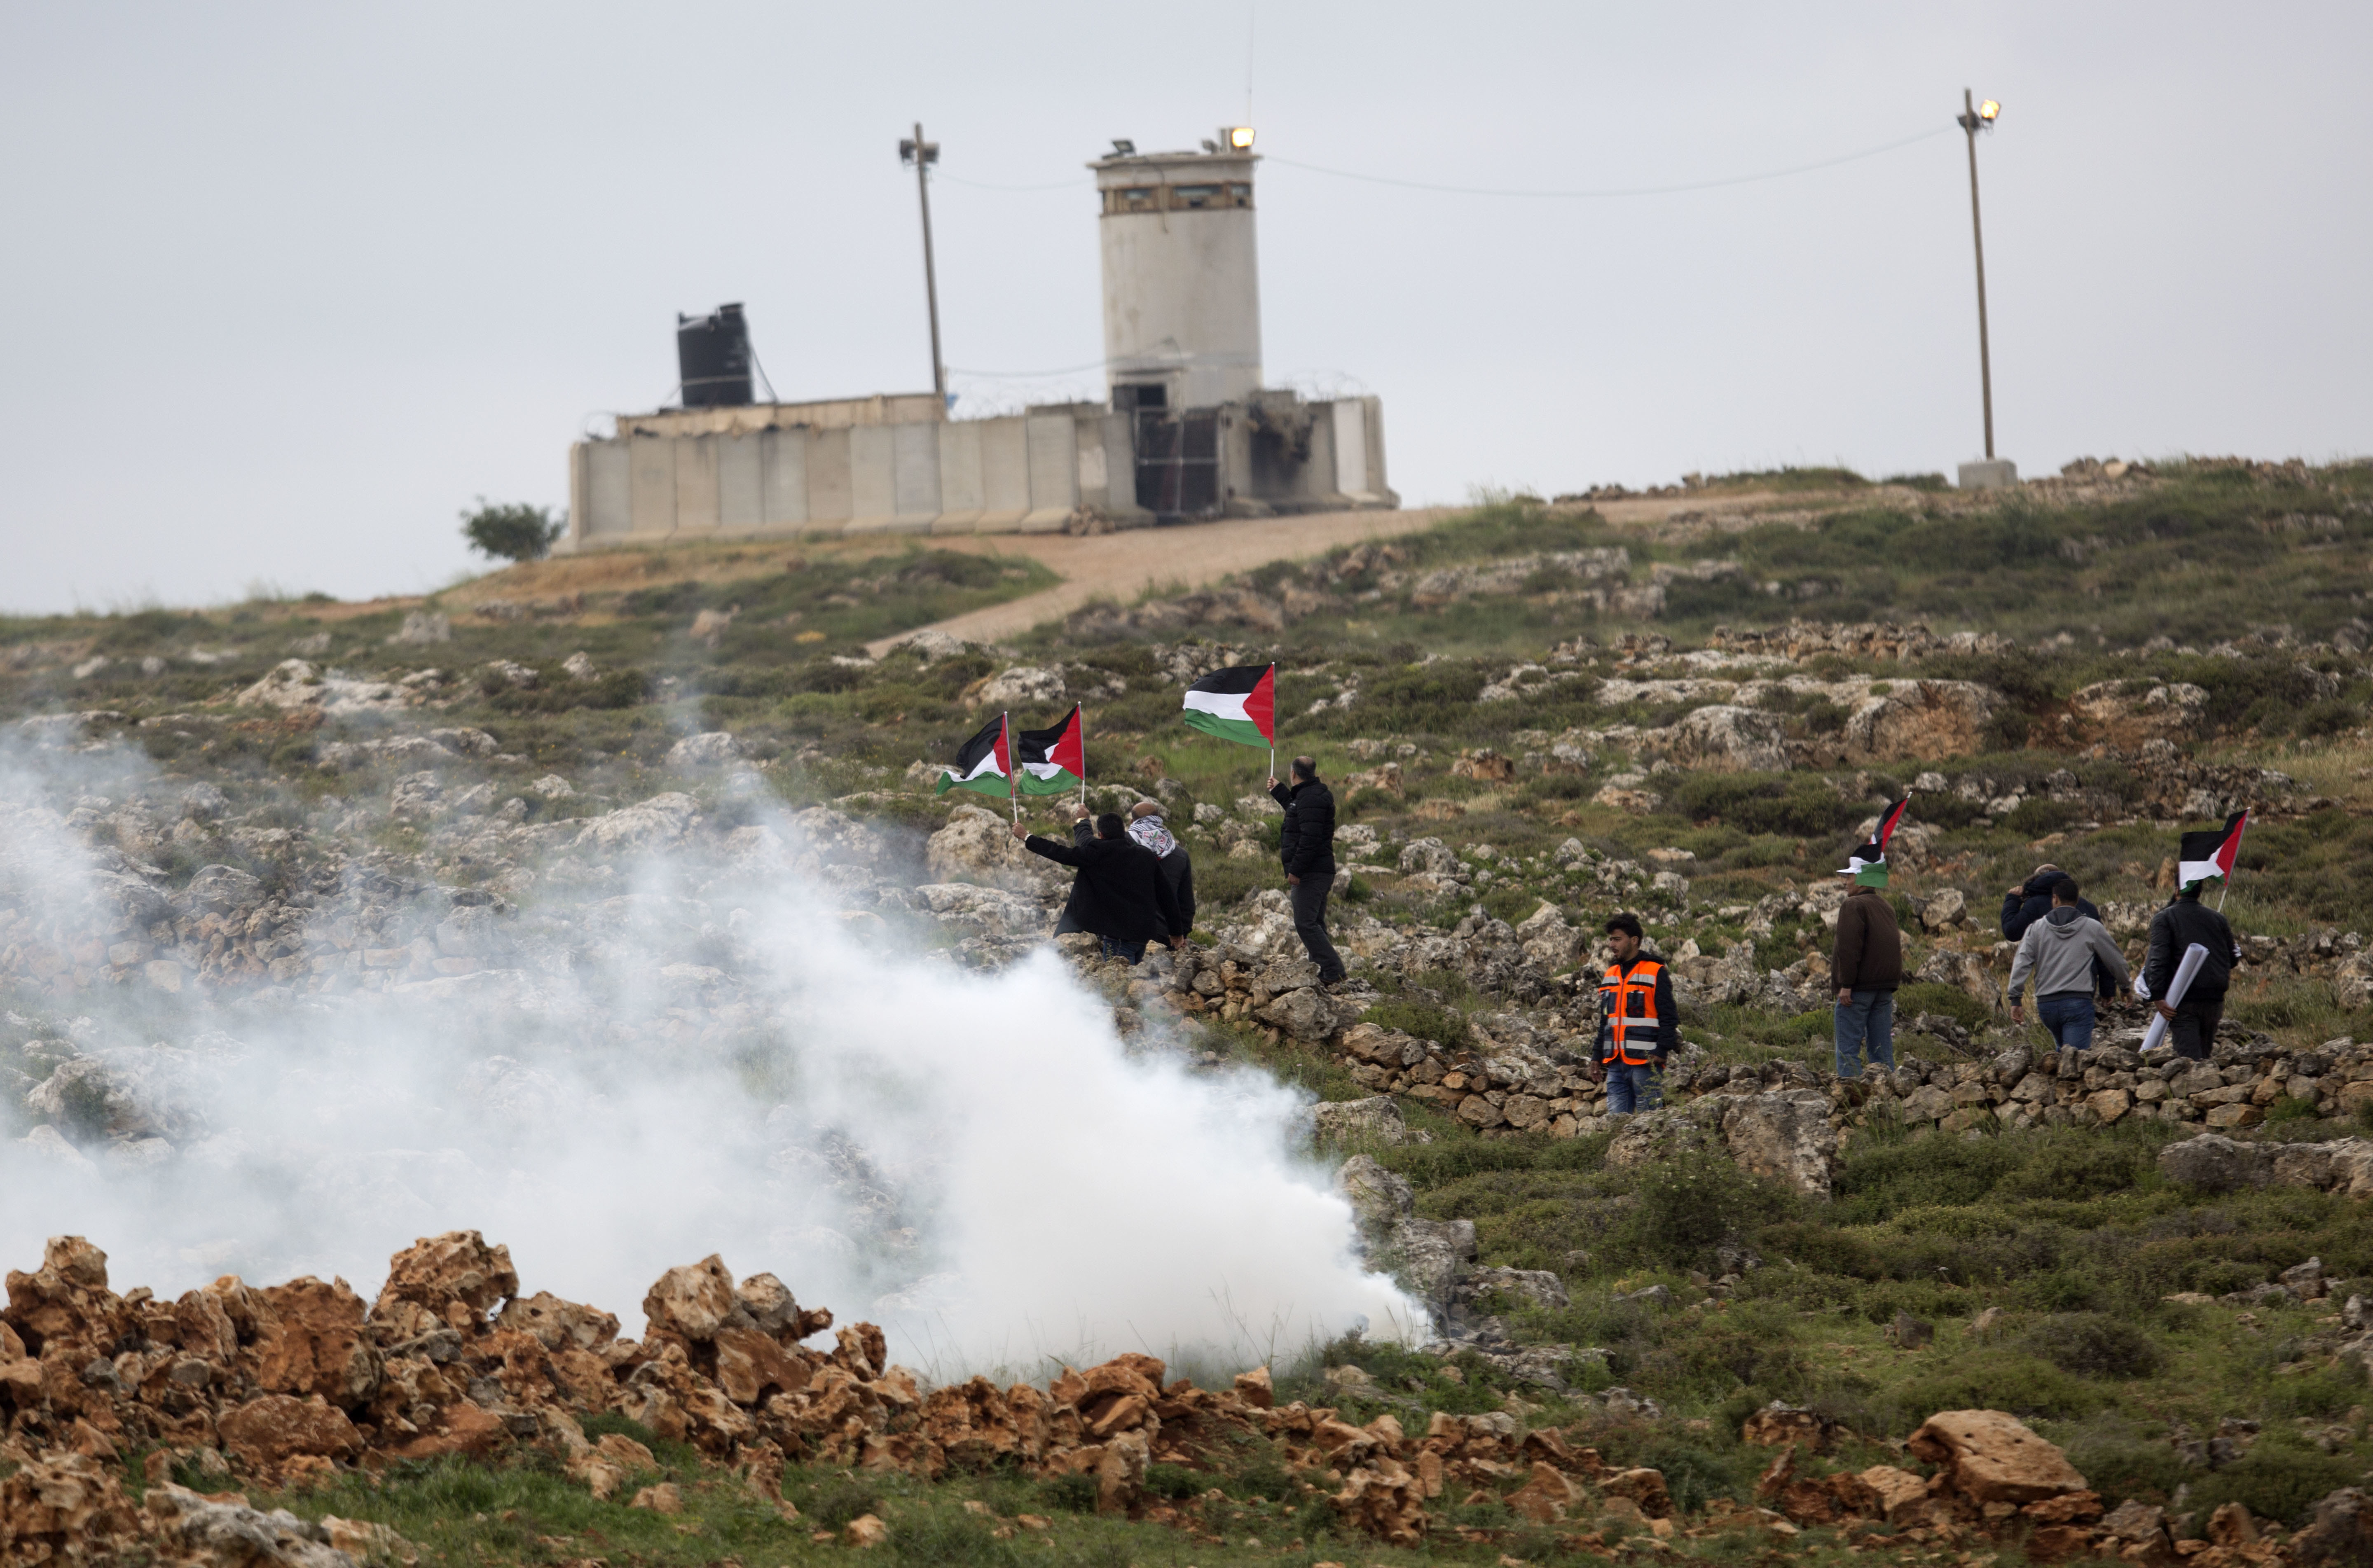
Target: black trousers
1309, 898
2194, 1027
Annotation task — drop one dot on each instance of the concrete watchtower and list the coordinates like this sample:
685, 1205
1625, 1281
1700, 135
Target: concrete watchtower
1182, 277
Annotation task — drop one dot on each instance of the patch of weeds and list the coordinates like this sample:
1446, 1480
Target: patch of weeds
1446, 1027
834, 1501
2275, 1479
942, 1540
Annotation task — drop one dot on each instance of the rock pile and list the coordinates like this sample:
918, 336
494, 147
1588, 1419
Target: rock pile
283, 1384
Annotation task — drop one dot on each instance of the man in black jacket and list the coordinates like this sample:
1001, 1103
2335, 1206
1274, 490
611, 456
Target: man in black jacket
1306, 845
2031, 901
1146, 826
1119, 895
2190, 1023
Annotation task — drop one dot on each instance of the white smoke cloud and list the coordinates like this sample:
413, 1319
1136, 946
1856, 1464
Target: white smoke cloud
978, 1162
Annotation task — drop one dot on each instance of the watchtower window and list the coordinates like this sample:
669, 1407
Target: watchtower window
1133, 199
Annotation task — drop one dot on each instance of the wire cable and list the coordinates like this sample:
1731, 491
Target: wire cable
1619, 191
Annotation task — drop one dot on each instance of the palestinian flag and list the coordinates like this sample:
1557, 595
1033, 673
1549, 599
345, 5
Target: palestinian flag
2212, 853
1873, 852
983, 764
1054, 761
1236, 704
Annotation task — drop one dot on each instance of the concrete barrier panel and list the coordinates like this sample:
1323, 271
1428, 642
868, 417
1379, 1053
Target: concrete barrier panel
872, 479
959, 487
653, 482
609, 490
915, 457
1054, 471
741, 482
1005, 474
786, 477
827, 478
695, 484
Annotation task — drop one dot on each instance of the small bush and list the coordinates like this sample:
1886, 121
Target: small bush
1175, 1481
1690, 1204
511, 531
2094, 1344
1074, 1493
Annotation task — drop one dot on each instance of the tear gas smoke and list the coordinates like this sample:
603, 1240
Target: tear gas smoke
682, 1049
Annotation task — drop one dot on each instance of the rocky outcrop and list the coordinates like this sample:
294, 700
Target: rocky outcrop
2217, 1164
1785, 1136
1429, 1257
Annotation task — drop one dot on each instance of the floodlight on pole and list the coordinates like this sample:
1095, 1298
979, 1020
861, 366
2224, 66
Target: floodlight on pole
1972, 120
921, 155
1239, 138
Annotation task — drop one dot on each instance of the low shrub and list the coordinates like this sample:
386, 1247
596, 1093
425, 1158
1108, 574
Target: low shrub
2026, 1386
1690, 1204
2094, 1344
1952, 1002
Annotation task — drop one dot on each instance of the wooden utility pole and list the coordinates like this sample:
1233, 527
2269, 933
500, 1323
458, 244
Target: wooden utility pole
922, 154
1972, 123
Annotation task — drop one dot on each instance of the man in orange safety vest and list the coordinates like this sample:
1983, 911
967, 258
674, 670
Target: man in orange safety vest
1639, 1026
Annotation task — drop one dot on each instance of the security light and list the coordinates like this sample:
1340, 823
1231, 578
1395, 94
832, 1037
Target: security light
1989, 110
1124, 148
1240, 137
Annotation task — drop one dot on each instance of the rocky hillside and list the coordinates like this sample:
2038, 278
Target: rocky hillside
547, 826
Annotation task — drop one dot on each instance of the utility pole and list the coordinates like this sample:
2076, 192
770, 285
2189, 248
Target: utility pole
922, 154
1974, 119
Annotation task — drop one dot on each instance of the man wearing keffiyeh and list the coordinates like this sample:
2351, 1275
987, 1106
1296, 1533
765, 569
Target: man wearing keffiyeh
1146, 826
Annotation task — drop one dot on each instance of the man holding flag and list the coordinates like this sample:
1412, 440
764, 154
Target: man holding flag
1306, 845
1867, 964
2192, 1016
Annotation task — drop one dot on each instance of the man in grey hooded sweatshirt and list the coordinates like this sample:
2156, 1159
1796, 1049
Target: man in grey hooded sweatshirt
2058, 951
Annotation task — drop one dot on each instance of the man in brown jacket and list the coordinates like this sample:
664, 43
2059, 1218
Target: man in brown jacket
1867, 965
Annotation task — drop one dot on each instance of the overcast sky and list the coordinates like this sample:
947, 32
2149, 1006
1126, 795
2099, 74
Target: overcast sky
285, 286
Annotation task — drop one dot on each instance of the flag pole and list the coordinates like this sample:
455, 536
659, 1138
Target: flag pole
1082, 711
1012, 785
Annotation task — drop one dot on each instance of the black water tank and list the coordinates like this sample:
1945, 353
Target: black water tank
712, 356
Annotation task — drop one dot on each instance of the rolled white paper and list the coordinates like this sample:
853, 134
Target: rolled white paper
2193, 957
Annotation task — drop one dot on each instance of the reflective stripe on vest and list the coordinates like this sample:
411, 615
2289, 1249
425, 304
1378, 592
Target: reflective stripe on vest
1627, 1003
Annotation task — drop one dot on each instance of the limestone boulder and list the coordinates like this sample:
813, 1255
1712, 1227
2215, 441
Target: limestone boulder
655, 823
1783, 1137
449, 1280
559, 1325
1726, 739
975, 846
1989, 1457
704, 750
194, 1530
693, 1301
1376, 1119
315, 1342
1923, 721
1304, 1014
271, 1429
1022, 686
65, 1508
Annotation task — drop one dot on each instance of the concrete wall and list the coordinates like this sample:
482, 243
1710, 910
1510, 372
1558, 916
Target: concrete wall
1023, 474
1181, 274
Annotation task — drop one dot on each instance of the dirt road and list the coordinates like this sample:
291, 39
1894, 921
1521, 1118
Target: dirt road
1123, 565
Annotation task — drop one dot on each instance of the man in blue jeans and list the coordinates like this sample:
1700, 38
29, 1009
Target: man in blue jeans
1639, 1025
1865, 964
2064, 951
